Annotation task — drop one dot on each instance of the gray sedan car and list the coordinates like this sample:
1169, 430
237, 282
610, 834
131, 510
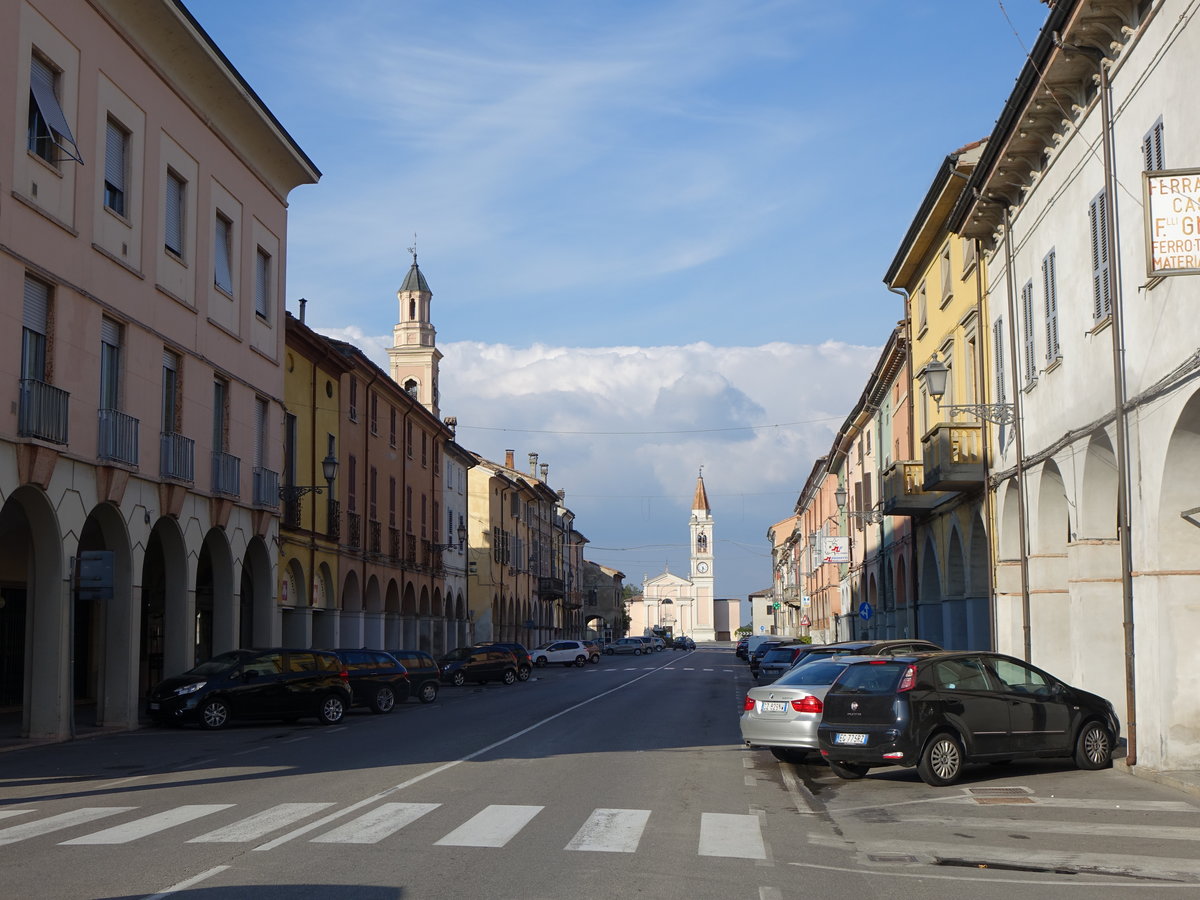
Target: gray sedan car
783, 716
636, 646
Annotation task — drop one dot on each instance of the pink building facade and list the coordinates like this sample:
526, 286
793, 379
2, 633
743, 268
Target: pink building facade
143, 192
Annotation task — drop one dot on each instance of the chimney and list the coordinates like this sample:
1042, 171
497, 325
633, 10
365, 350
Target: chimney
303, 303
508, 459
562, 496
545, 472
533, 464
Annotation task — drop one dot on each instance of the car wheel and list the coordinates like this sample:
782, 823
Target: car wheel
595, 658
789, 754
510, 677
581, 661
523, 673
609, 652
384, 700
458, 679
941, 761
428, 692
1093, 747
332, 711
637, 651
214, 714
848, 771
540, 661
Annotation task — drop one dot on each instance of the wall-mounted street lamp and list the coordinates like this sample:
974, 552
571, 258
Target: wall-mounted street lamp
936, 373
293, 492
871, 516
462, 539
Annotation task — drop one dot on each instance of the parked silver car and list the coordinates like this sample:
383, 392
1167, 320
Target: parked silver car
636, 646
783, 716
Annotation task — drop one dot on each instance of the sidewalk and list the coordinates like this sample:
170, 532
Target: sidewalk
1186, 780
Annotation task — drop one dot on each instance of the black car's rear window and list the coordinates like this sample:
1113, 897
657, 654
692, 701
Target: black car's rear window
822, 671
779, 654
870, 678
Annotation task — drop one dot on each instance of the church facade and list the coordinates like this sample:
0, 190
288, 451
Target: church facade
675, 603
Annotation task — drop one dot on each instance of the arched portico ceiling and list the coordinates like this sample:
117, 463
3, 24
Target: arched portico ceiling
955, 565
979, 556
425, 609
1011, 539
373, 597
1053, 521
391, 603
1097, 511
351, 599
408, 606
1178, 545
297, 588
930, 574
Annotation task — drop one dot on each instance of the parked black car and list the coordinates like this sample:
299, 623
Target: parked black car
739, 649
479, 664
424, 675
378, 681
757, 654
939, 711
893, 647
683, 642
523, 657
255, 684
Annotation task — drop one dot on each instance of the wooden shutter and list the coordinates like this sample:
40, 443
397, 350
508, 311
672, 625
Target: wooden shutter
1101, 287
1030, 360
998, 357
173, 226
1050, 287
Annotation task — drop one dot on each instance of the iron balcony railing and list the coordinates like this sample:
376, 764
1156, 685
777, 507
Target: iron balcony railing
176, 457
118, 437
394, 544
266, 487
374, 536
353, 529
226, 474
292, 511
43, 411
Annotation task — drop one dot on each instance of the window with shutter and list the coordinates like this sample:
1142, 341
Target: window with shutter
223, 254
110, 364
1153, 155
35, 329
1050, 289
1101, 286
48, 134
262, 284
174, 206
261, 419
116, 147
220, 412
170, 392
1030, 360
998, 357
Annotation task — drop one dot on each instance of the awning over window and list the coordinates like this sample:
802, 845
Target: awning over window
52, 115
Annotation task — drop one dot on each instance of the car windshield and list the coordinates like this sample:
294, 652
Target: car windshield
545, 646
822, 671
871, 678
219, 664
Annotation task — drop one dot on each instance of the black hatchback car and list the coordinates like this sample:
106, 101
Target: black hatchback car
940, 711
523, 657
255, 684
424, 676
378, 681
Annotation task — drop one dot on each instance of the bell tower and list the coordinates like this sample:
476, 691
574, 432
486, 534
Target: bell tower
701, 529
414, 355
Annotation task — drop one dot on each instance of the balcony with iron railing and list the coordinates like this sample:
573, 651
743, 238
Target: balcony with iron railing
904, 493
353, 529
118, 437
176, 457
292, 514
410, 549
953, 457
374, 536
394, 544
226, 474
42, 411
266, 487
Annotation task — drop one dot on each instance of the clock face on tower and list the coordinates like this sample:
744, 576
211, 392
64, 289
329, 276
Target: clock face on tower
701, 567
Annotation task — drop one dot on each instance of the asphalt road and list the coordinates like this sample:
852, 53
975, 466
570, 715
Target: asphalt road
622, 779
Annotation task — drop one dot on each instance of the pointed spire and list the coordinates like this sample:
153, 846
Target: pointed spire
700, 501
414, 280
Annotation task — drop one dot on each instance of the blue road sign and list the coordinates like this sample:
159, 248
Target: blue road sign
864, 611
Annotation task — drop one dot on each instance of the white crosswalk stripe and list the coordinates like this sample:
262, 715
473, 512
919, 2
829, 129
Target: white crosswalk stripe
260, 825
495, 826
727, 834
611, 831
147, 825
374, 826
59, 822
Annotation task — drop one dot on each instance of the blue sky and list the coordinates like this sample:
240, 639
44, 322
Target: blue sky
655, 231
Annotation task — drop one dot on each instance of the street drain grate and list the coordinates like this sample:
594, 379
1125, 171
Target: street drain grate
993, 801
891, 858
999, 791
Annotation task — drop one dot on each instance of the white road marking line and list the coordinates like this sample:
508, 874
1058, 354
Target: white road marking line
769, 893
187, 883
747, 763
147, 825
109, 784
495, 826
379, 823
57, 823
729, 835
261, 824
611, 831
9, 813
750, 780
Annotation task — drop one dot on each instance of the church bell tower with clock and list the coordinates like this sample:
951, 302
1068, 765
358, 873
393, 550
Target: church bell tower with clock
701, 527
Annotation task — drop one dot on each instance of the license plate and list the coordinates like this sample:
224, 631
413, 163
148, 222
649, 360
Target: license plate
842, 738
773, 705
153, 707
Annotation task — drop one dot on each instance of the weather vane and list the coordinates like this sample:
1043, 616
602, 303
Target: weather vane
413, 248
